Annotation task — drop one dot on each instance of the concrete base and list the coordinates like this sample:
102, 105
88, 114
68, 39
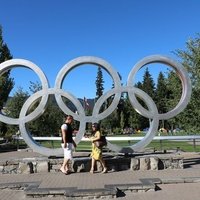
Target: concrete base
82, 164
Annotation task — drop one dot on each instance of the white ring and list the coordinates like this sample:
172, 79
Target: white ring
153, 125
86, 60
182, 73
7, 65
27, 136
151, 113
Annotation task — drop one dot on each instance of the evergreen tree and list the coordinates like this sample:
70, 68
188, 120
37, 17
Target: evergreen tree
122, 123
49, 122
148, 86
45, 125
161, 96
35, 87
173, 97
6, 83
99, 88
13, 107
99, 83
132, 118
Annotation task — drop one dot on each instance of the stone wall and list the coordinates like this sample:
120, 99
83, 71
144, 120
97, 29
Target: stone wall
114, 163
156, 162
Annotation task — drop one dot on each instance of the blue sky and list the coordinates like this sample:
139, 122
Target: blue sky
50, 33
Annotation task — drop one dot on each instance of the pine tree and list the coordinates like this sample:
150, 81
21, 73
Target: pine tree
14, 106
99, 88
48, 123
161, 93
132, 118
6, 83
148, 86
161, 96
99, 83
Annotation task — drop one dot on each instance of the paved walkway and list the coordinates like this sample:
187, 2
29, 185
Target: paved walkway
183, 184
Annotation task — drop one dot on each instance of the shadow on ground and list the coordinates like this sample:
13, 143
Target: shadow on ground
188, 163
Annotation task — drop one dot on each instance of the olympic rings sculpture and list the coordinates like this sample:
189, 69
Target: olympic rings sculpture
151, 112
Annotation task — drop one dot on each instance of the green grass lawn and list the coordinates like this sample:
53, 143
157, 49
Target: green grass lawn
156, 144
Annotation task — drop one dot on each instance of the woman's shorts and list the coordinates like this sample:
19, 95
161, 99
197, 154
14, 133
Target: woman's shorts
67, 150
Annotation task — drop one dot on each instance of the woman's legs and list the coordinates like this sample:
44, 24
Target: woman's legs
92, 165
103, 164
97, 155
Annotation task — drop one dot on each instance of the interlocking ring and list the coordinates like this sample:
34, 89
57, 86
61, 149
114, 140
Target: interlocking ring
151, 112
7, 65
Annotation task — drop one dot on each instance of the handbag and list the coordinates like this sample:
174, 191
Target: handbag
101, 142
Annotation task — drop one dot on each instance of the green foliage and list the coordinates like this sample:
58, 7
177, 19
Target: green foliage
6, 83
15, 103
190, 58
166, 94
45, 125
155, 144
122, 120
161, 94
148, 84
49, 123
35, 87
99, 83
14, 106
168, 90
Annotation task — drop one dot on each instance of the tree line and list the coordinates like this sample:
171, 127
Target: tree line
165, 91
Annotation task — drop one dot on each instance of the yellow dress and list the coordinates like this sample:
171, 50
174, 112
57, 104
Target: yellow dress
96, 152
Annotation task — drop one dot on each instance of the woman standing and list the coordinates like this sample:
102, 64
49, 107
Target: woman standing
96, 151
